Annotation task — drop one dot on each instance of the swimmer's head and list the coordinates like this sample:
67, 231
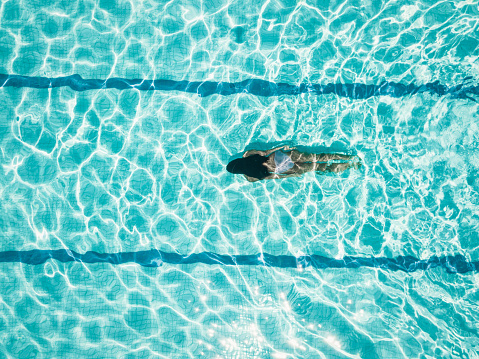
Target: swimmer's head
251, 166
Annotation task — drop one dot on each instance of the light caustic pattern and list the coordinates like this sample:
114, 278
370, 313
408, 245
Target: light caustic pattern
112, 171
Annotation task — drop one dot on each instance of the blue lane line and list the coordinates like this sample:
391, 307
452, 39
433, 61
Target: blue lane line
254, 87
155, 258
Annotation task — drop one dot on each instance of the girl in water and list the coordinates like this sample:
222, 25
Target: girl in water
285, 161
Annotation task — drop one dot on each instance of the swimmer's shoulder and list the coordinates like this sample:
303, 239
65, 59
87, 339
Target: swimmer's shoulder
251, 179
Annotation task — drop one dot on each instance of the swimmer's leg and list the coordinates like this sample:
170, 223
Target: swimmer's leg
301, 168
325, 157
336, 167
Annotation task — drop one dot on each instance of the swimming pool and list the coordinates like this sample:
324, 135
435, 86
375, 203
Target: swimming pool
123, 236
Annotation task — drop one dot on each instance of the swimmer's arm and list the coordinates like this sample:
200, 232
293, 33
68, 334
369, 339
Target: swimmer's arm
279, 175
284, 147
273, 176
268, 152
253, 152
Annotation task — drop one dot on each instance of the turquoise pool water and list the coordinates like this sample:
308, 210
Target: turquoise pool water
126, 171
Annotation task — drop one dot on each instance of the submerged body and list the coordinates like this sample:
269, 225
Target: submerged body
282, 162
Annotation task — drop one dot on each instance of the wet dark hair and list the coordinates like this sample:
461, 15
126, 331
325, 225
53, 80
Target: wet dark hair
251, 166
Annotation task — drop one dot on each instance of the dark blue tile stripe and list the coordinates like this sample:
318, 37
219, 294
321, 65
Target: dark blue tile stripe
155, 258
254, 86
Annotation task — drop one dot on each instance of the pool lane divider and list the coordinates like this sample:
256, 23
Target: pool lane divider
156, 258
255, 87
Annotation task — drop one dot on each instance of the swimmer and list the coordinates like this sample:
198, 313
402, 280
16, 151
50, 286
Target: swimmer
285, 161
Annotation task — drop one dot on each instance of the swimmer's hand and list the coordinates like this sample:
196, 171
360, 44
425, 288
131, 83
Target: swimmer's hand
357, 162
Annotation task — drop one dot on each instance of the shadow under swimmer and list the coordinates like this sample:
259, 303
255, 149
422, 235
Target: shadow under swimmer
285, 161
